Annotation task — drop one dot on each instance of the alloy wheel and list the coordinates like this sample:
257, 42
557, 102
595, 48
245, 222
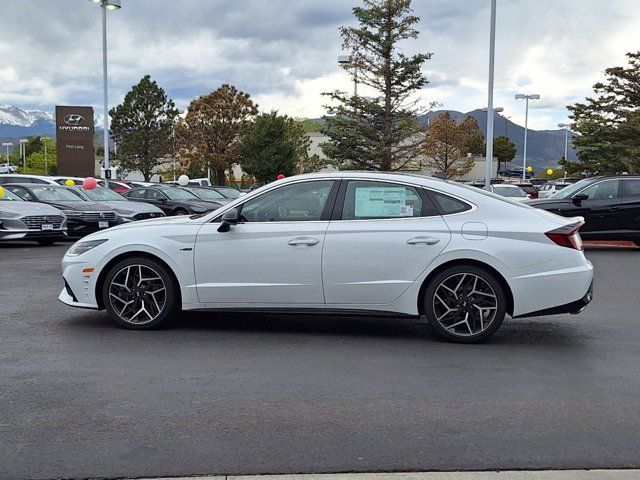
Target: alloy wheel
465, 304
137, 294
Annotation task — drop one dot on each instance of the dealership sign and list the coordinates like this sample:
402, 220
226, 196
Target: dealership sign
74, 141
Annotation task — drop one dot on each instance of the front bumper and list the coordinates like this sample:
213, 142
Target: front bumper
79, 283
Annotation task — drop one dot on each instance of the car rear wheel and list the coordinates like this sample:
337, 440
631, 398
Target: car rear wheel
139, 293
465, 304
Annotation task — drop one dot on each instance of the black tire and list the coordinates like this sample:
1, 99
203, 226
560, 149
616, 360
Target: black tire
180, 211
167, 300
45, 242
442, 316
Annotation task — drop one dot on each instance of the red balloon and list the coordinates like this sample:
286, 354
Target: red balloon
280, 176
89, 183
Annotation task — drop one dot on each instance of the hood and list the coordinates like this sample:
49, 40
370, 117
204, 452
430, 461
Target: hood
81, 206
29, 208
181, 219
209, 205
133, 207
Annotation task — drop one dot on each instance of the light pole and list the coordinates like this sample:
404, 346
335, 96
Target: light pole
106, 5
566, 138
7, 144
520, 96
346, 60
506, 126
492, 52
45, 140
23, 151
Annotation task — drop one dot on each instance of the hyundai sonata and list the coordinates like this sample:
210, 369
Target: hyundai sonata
459, 257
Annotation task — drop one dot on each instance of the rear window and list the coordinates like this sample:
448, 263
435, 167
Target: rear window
449, 205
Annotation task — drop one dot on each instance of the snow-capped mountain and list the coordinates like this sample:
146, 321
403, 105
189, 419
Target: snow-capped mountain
10, 115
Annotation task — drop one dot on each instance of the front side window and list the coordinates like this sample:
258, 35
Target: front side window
179, 194
607, 190
153, 194
366, 200
291, 203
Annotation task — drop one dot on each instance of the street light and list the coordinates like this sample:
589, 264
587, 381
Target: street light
7, 144
346, 60
106, 5
566, 138
492, 54
23, 151
520, 96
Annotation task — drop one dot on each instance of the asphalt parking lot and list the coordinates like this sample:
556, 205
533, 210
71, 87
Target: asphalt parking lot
236, 394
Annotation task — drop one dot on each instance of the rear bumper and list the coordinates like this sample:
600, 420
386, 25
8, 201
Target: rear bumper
572, 307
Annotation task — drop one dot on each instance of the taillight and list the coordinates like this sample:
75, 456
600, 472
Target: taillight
567, 236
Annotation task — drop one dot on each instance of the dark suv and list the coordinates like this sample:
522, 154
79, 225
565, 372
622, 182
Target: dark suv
609, 205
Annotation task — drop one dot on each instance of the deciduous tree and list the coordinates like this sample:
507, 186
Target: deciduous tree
141, 126
209, 135
445, 146
378, 132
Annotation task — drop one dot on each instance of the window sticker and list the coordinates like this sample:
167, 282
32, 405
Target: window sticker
382, 202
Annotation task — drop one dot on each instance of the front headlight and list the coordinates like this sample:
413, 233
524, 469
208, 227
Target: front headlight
72, 213
123, 212
81, 247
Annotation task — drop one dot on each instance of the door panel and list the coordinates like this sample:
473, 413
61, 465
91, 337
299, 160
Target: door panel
373, 261
261, 262
601, 210
630, 205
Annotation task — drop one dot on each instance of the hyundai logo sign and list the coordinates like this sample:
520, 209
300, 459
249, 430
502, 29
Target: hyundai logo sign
74, 119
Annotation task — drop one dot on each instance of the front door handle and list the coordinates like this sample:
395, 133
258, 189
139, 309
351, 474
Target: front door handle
613, 209
423, 241
308, 241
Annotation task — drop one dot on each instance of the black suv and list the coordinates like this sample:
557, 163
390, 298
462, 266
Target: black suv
610, 206
172, 200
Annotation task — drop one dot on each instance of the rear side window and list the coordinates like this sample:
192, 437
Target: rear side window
367, 200
136, 193
631, 188
449, 205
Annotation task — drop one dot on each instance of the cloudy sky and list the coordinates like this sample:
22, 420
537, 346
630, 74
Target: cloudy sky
283, 52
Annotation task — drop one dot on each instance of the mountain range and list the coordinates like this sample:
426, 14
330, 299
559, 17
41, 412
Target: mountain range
544, 147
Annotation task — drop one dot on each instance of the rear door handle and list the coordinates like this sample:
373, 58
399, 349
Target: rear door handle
309, 241
423, 241
613, 209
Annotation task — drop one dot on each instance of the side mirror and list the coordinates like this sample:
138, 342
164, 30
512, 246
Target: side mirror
162, 200
230, 217
579, 197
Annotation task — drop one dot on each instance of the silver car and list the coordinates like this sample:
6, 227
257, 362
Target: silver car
127, 210
20, 220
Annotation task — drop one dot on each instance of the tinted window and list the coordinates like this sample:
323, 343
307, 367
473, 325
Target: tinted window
632, 188
53, 194
449, 205
607, 190
154, 194
292, 203
22, 192
139, 193
179, 194
368, 200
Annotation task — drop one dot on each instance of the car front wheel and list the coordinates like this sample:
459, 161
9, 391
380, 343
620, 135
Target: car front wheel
465, 304
139, 293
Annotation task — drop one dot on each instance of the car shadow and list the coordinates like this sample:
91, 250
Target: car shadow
523, 332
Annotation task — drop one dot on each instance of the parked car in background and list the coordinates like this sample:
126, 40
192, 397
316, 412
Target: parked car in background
8, 168
193, 182
529, 189
20, 178
228, 192
549, 188
117, 186
127, 210
440, 251
171, 200
511, 191
610, 207
209, 194
22, 220
82, 217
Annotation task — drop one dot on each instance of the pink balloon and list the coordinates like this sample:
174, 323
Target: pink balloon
89, 183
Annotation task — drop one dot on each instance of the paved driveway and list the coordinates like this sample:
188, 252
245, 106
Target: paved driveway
287, 393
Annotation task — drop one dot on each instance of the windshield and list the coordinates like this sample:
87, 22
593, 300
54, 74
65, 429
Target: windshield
10, 197
101, 194
207, 194
53, 194
509, 191
179, 194
570, 190
229, 192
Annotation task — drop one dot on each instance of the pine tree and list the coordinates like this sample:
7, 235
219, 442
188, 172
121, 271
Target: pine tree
380, 132
608, 124
141, 126
445, 147
504, 150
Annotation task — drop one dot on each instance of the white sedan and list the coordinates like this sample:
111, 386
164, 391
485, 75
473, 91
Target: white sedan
459, 257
